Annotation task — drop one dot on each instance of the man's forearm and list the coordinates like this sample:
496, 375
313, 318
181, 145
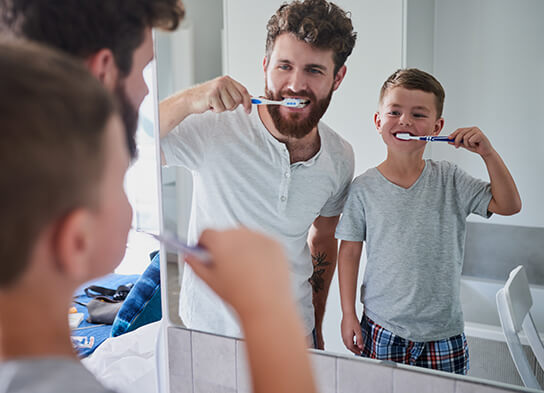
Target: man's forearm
324, 256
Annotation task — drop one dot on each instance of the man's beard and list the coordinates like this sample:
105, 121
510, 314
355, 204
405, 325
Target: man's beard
293, 125
129, 115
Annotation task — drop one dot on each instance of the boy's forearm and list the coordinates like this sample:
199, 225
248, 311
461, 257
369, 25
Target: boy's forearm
505, 196
348, 270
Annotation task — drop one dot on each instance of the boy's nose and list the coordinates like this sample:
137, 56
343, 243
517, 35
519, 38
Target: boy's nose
405, 120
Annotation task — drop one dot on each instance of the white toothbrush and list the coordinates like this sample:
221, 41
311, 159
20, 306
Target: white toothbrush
172, 240
407, 137
290, 102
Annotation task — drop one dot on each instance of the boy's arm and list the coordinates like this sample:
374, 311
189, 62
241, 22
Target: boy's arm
250, 272
348, 270
324, 249
218, 95
505, 196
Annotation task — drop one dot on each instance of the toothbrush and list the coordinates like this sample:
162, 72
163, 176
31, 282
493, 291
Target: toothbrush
407, 137
290, 102
171, 240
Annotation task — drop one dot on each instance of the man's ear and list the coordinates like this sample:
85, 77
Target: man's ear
339, 77
102, 65
438, 125
74, 244
265, 64
378, 122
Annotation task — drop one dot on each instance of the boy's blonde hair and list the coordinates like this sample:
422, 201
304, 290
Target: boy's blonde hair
415, 79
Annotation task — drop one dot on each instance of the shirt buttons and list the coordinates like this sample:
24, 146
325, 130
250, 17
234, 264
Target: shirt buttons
287, 175
283, 198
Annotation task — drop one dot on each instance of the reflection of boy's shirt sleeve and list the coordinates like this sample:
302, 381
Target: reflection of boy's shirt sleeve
187, 144
473, 194
352, 225
334, 205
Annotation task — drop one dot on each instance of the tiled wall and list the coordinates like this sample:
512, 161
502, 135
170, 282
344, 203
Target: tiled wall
492, 251
205, 363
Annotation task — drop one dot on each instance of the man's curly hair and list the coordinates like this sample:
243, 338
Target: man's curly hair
320, 23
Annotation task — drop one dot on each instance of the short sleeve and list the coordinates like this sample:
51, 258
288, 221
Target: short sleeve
352, 225
473, 194
186, 145
334, 205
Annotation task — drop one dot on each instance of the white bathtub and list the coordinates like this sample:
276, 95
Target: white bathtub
480, 308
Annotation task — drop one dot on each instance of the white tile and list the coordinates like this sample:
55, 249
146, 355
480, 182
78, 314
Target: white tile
243, 377
405, 381
472, 387
324, 368
364, 376
179, 360
214, 363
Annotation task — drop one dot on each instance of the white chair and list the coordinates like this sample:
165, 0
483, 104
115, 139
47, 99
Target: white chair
513, 303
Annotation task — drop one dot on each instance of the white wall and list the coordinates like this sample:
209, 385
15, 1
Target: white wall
489, 56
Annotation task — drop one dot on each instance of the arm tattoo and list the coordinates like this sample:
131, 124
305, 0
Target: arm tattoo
319, 262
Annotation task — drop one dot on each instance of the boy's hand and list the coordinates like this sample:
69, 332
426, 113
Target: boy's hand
472, 139
248, 270
351, 329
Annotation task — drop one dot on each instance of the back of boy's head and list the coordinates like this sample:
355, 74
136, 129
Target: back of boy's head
320, 23
53, 115
415, 79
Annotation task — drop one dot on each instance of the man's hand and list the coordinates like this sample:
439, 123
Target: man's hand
472, 139
218, 95
351, 329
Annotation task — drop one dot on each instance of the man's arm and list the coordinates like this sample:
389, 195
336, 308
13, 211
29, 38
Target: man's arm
505, 196
324, 249
218, 95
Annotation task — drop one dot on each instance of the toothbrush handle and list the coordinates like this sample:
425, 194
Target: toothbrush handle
263, 101
436, 139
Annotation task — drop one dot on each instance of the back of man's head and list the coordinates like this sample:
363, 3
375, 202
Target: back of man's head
85, 28
53, 115
82, 28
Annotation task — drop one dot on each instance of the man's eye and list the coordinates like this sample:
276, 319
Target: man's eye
284, 67
315, 71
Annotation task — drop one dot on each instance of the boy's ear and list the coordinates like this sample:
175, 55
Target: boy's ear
339, 77
438, 125
102, 65
74, 242
378, 122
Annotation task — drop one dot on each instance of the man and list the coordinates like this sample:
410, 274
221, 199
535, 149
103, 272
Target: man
112, 37
276, 169
65, 221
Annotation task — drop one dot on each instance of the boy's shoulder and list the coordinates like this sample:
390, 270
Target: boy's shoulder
369, 175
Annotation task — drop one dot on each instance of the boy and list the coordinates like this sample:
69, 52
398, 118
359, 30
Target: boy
65, 220
412, 214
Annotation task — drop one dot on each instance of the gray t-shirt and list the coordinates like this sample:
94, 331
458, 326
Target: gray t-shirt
415, 241
47, 375
242, 175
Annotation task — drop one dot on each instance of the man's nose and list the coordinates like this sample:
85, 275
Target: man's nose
297, 81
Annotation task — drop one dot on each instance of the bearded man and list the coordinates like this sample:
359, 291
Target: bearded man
277, 169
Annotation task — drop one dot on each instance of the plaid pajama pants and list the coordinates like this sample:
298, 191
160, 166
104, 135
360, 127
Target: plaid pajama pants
450, 354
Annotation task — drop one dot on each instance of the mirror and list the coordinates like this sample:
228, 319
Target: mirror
488, 57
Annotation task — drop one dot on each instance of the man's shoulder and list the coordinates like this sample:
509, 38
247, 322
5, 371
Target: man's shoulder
48, 375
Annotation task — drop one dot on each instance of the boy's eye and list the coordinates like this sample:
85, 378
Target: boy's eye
419, 115
394, 113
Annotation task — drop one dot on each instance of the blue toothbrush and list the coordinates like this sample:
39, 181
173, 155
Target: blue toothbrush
290, 102
407, 137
